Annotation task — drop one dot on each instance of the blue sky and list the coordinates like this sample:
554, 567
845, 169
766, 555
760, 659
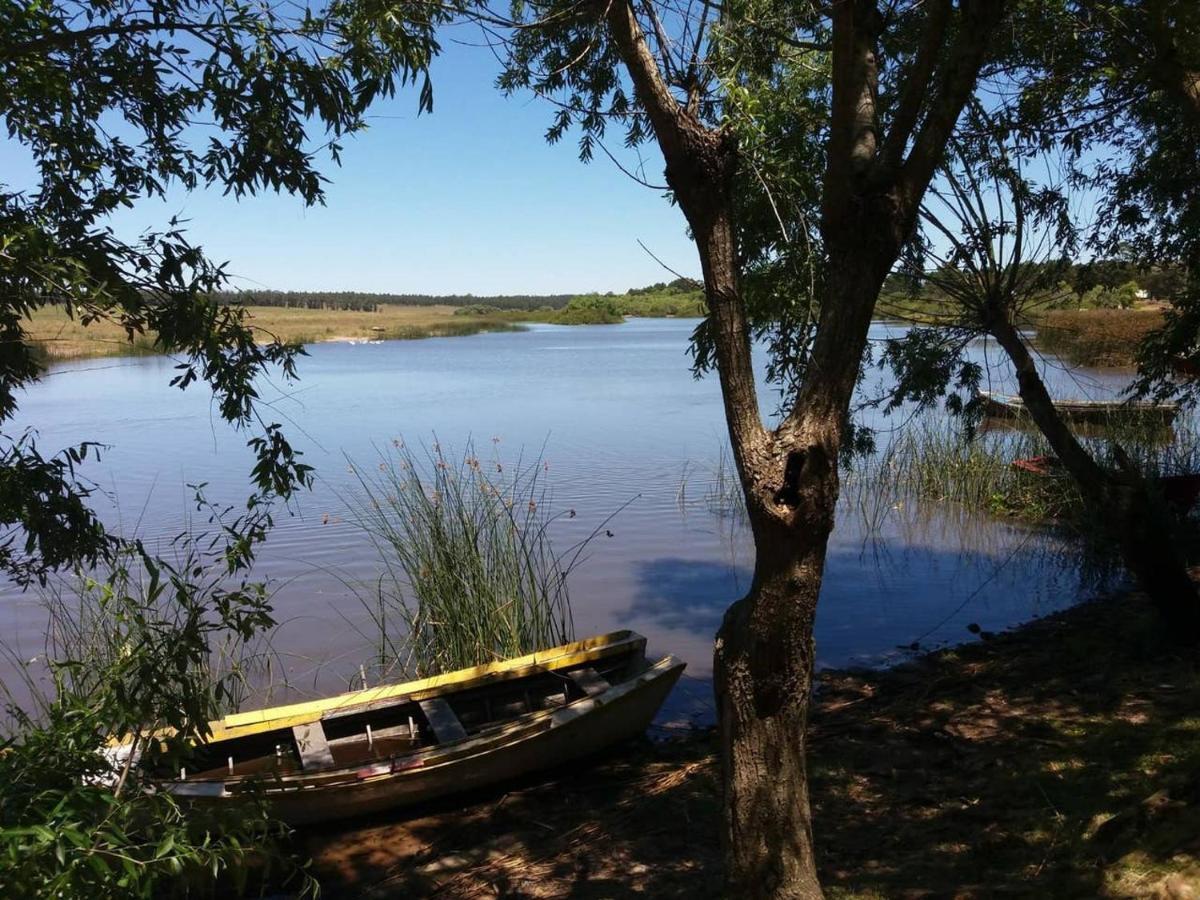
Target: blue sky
469, 199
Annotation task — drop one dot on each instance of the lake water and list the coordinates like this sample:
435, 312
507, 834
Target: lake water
618, 419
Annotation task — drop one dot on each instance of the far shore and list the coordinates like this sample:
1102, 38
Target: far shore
61, 339
1087, 337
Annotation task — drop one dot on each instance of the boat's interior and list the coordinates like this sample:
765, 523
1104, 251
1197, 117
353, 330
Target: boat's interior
358, 735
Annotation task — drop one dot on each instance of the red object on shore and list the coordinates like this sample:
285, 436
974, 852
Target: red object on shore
1038, 465
1181, 491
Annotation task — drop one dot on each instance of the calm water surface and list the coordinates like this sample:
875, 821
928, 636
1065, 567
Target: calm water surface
616, 416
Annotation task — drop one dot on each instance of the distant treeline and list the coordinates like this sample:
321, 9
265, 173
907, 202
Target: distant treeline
358, 301
1099, 284
679, 298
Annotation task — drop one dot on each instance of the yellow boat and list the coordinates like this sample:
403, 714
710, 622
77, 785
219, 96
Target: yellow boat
395, 745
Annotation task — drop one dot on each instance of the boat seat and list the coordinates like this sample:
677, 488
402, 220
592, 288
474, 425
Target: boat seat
443, 721
590, 681
313, 746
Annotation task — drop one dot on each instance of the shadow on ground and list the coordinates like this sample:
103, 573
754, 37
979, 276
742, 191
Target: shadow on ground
1060, 760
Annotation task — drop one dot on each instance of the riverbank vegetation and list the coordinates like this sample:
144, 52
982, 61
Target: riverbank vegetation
307, 318
934, 461
145, 654
470, 575
679, 299
1097, 337
57, 337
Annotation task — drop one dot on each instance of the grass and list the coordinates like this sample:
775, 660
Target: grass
1096, 337
61, 338
932, 461
470, 574
1056, 760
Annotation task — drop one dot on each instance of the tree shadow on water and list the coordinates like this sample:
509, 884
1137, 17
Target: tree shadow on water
688, 595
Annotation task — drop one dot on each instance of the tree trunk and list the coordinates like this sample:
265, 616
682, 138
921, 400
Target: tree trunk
1123, 503
763, 677
763, 661
764, 651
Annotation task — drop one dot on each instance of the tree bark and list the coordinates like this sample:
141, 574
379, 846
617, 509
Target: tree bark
1123, 503
763, 674
763, 659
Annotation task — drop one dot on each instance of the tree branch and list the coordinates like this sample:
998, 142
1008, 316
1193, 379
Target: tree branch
60, 40
966, 57
916, 85
699, 167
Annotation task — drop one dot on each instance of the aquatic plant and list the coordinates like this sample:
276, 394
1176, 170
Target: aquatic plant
933, 460
723, 493
470, 573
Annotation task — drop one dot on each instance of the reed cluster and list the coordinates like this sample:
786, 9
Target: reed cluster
470, 573
935, 460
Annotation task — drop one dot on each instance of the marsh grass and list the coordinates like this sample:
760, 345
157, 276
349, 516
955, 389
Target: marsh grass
934, 461
470, 573
723, 492
1096, 337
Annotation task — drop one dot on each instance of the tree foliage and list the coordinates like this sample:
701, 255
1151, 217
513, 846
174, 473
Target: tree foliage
115, 102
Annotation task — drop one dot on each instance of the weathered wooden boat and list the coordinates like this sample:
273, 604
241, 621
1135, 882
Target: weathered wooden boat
1181, 491
395, 745
1093, 412
1096, 412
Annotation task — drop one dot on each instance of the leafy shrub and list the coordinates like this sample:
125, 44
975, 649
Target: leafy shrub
148, 654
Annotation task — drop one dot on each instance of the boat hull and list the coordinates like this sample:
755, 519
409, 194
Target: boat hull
579, 729
1090, 412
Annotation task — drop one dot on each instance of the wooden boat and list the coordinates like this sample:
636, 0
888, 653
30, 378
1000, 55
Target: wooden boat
1095, 412
396, 745
1181, 491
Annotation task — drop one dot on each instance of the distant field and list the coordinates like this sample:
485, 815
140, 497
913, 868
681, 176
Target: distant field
61, 338
1097, 337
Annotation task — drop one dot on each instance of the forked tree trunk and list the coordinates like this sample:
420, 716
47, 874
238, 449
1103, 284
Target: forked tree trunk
763, 660
764, 650
1122, 503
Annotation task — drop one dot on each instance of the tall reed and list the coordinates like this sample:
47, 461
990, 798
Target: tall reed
470, 574
932, 460
723, 495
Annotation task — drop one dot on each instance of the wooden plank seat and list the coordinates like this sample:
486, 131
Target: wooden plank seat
590, 681
313, 746
445, 724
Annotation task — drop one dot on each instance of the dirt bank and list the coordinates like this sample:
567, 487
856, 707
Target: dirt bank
1059, 760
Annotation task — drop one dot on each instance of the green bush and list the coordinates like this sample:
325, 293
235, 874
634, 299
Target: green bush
148, 654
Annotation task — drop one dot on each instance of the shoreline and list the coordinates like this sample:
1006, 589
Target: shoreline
59, 340
1058, 758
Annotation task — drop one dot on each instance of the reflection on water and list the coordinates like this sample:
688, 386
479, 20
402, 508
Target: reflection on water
620, 417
